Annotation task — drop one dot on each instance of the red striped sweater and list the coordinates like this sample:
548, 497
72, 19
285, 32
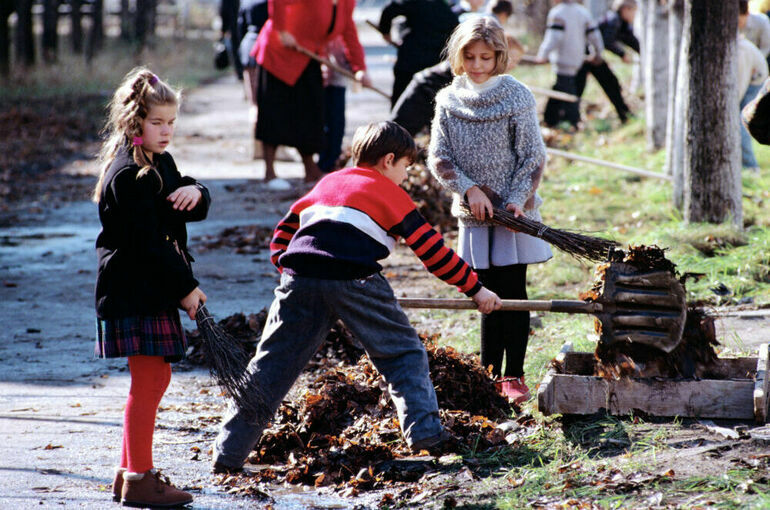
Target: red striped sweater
351, 220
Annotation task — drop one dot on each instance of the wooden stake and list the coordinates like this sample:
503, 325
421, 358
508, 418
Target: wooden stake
633, 170
377, 28
562, 96
331, 65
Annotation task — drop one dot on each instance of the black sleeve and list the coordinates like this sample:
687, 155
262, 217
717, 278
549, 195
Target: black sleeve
201, 210
626, 35
153, 250
393, 9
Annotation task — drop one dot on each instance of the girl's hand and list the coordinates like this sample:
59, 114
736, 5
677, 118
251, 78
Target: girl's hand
287, 39
479, 203
185, 198
516, 210
363, 77
192, 301
487, 301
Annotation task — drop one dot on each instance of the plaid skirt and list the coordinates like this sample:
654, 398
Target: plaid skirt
157, 335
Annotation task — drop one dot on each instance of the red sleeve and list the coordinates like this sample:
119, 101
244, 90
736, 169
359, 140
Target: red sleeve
277, 12
353, 49
282, 235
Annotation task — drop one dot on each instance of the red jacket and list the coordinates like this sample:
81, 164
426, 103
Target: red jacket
308, 21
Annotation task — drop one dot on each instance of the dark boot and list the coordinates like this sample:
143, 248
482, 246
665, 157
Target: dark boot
150, 489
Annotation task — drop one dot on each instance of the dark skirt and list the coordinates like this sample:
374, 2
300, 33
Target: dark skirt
158, 335
291, 115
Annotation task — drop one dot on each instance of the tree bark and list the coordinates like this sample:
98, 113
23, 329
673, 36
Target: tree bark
50, 30
96, 33
125, 21
712, 159
677, 99
597, 8
655, 56
142, 21
6, 8
76, 18
25, 40
536, 15
640, 29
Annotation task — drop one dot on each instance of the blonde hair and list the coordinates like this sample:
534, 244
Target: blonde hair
139, 92
478, 28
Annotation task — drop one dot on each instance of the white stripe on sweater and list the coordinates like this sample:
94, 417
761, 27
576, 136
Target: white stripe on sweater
354, 217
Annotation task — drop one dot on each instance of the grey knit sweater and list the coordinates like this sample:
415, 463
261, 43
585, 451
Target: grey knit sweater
490, 139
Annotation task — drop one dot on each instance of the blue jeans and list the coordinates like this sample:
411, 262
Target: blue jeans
299, 319
747, 151
334, 127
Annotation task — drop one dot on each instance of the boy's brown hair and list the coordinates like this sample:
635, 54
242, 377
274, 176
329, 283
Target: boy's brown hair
377, 139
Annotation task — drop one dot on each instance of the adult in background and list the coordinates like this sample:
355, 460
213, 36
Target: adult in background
290, 93
569, 29
752, 72
228, 12
756, 29
426, 28
616, 27
502, 10
252, 15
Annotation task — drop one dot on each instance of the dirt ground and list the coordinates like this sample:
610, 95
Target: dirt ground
61, 410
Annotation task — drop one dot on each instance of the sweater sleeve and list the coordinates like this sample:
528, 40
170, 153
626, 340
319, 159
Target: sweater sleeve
554, 34
354, 52
393, 9
437, 258
282, 236
530, 153
441, 161
764, 35
594, 37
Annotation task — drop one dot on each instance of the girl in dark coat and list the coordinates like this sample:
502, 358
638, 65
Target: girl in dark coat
144, 271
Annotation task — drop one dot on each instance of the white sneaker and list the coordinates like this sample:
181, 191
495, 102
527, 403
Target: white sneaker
278, 184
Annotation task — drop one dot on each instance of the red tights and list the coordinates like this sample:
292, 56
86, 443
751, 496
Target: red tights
150, 376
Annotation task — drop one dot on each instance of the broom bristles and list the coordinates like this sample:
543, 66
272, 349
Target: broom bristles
580, 246
228, 360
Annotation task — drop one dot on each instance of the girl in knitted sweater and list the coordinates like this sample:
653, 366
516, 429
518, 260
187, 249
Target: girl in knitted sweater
486, 148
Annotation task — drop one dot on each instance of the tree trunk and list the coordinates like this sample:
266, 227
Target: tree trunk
597, 8
96, 34
77, 26
655, 57
677, 98
640, 29
142, 21
125, 21
712, 161
536, 15
25, 40
6, 8
152, 16
50, 30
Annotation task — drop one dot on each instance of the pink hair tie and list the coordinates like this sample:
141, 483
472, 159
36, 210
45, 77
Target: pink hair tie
153, 80
138, 140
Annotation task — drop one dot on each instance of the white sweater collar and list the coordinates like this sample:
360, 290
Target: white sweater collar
481, 87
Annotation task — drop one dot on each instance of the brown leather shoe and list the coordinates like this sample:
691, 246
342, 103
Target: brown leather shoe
117, 484
150, 489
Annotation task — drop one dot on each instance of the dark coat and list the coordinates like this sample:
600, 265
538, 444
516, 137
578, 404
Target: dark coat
756, 115
142, 253
415, 106
614, 31
424, 33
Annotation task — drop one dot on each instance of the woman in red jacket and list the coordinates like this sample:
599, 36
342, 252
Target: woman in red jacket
289, 83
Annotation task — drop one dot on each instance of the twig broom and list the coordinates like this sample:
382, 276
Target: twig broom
580, 246
227, 363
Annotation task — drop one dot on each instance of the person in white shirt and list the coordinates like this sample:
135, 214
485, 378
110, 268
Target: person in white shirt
752, 72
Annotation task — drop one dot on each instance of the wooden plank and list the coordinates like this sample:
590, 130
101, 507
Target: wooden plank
575, 394
761, 385
579, 363
545, 396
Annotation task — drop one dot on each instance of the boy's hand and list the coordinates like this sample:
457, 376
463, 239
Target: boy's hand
185, 198
287, 39
487, 301
479, 203
192, 301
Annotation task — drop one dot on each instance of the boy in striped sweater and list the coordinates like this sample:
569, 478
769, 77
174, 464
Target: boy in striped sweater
327, 250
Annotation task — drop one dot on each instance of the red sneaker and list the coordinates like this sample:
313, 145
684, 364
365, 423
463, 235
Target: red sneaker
513, 388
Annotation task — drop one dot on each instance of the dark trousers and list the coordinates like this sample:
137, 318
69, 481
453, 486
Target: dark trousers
334, 127
557, 111
608, 82
505, 332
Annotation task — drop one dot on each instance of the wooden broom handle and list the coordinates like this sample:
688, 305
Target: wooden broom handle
531, 305
331, 65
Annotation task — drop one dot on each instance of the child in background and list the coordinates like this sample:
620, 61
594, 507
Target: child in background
327, 250
334, 106
570, 29
486, 148
144, 270
616, 26
752, 72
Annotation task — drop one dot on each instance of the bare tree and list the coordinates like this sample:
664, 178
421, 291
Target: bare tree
712, 160
597, 8
640, 29
655, 58
125, 20
76, 18
50, 30
6, 8
96, 33
537, 14
25, 40
676, 100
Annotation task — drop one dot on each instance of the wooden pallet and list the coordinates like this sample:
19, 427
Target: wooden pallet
743, 395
